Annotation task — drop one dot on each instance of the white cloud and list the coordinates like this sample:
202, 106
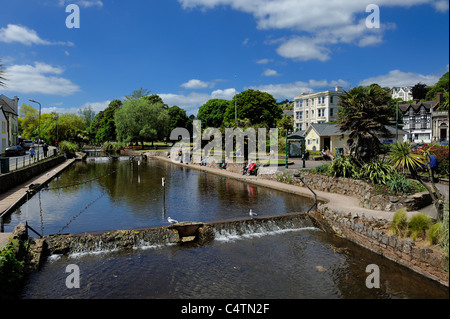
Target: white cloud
197, 84
226, 94
290, 90
303, 49
319, 24
97, 107
82, 3
399, 78
39, 78
263, 61
17, 33
270, 72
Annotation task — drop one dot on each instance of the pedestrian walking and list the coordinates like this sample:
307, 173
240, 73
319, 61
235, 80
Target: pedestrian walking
32, 152
45, 149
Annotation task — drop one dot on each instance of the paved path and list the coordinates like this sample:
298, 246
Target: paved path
16, 194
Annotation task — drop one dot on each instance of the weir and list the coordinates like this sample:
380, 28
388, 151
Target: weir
198, 232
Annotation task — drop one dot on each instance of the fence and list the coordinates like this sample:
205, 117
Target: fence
11, 164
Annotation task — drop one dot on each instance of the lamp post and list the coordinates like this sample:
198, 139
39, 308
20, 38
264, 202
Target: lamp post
287, 148
39, 127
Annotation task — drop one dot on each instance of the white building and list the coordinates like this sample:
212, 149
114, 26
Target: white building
318, 107
11, 109
417, 120
404, 93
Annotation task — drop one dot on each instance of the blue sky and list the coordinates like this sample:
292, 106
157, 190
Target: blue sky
189, 51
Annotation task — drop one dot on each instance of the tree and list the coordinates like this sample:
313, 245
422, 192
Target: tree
212, 112
419, 91
260, 108
365, 111
28, 121
137, 94
177, 118
141, 121
88, 115
403, 158
285, 124
103, 127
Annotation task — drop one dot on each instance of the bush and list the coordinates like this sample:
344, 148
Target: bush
68, 148
377, 172
342, 167
321, 169
399, 184
399, 222
436, 234
112, 147
419, 224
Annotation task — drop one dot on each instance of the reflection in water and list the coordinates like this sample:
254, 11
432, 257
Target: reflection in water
292, 263
133, 197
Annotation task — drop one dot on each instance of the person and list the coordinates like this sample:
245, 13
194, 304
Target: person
433, 165
32, 152
204, 161
306, 155
224, 163
252, 169
45, 149
246, 168
272, 154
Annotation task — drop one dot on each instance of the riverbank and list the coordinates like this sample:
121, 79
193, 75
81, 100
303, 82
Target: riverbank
341, 213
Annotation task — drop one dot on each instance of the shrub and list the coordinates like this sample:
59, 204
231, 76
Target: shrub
436, 233
399, 184
419, 224
342, 167
112, 147
377, 172
399, 222
68, 148
321, 169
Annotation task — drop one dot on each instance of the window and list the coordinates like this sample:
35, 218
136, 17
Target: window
3, 127
306, 114
331, 99
297, 115
301, 103
307, 102
331, 112
320, 112
321, 100
300, 115
309, 141
312, 114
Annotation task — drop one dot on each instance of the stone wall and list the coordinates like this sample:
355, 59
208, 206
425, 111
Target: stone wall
15, 178
359, 189
373, 234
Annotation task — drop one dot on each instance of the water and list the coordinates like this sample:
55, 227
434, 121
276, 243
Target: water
271, 262
106, 195
302, 263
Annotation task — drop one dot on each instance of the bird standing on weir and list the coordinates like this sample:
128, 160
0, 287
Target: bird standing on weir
252, 214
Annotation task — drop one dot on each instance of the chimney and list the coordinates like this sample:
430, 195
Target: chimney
416, 101
440, 97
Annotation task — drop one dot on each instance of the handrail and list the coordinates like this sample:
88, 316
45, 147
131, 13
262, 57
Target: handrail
297, 175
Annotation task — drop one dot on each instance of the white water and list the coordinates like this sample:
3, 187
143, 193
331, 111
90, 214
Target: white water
233, 235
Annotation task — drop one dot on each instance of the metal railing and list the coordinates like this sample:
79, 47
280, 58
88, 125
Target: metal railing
18, 162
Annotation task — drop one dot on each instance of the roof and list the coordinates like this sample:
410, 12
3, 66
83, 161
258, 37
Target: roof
416, 105
333, 130
5, 104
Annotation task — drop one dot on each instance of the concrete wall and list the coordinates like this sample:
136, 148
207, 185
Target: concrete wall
15, 178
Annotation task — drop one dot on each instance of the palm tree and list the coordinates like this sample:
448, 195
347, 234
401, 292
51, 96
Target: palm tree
365, 112
403, 157
2, 72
